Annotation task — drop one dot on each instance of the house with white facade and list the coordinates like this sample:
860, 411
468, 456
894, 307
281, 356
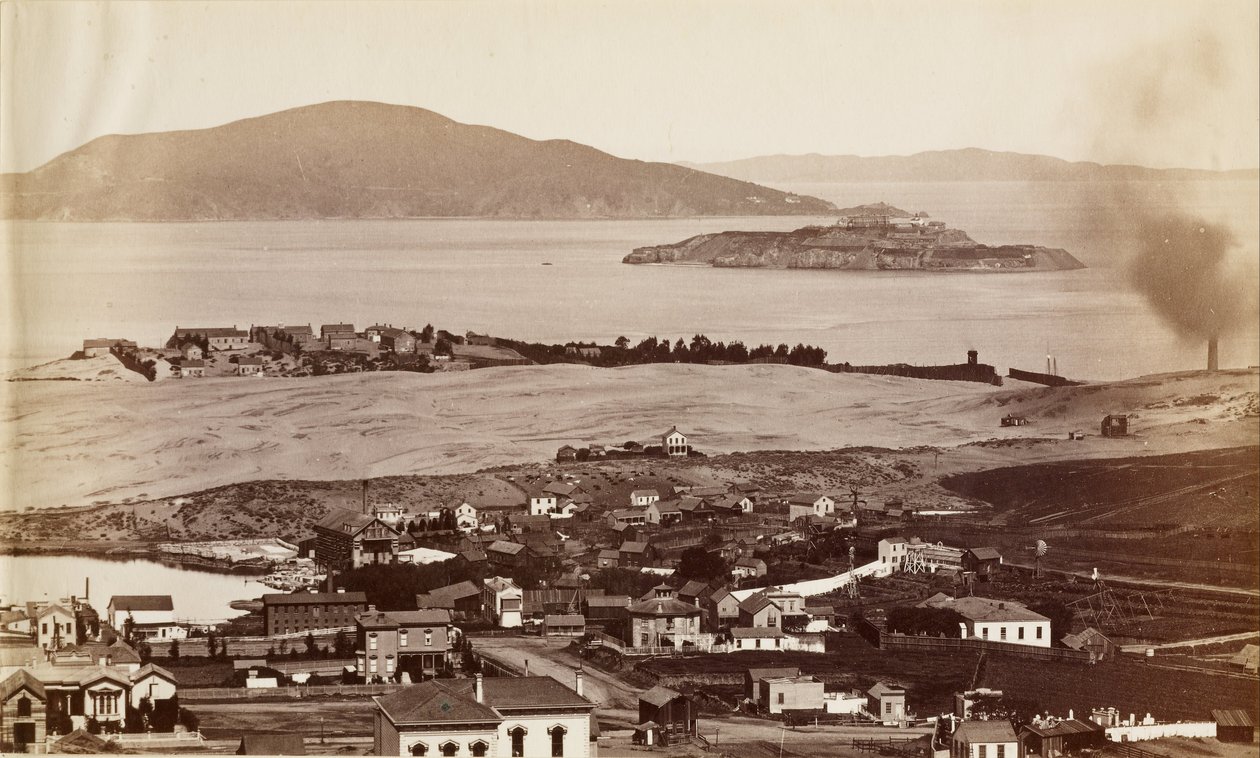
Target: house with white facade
810, 505
498, 716
503, 600
151, 616
542, 504
759, 638
643, 498
466, 516
55, 627
996, 620
985, 739
674, 443
664, 512
892, 553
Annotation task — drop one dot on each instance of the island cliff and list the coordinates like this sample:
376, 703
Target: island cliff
860, 243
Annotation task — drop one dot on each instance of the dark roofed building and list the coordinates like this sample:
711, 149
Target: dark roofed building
1234, 725
662, 621
984, 561
1056, 737
347, 539
671, 711
462, 599
306, 611
563, 625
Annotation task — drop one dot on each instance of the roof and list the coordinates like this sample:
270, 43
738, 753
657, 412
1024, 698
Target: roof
527, 692
672, 430
973, 732
609, 554
1247, 657
503, 546
1233, 717
337, 518
755, 603
437, 700
81, 742
213, 331
1082, 638
663, 606
460, 589
377, 619
142, 602
249, 360
55, 608
500, 584
1065, 727
608, 601
152, 669
693, 588
313, 598
659, 696
645, 493
337, 328
118, 652
772, 672
756, 632
667, 506
271, 744
564, 619
806, 499
985, 553
561, 488
473, 556
20, 679
750, 562
883, 688
984, 609
633, 547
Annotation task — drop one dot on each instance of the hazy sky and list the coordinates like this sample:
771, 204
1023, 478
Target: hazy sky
1158, 82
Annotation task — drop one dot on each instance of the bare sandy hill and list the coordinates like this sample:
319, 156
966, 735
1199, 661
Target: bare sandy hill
102, 368
73, 443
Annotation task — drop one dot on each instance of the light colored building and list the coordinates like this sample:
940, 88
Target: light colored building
216, 338
503, 599
466, 516
759, 638
892, 553
499, 716
985, 739
886, 702
542, 504
192, 368
55, 627
664, 512
643, 498
810, 505
249, 365
102, 345
664, 618
792, 693
191, 351
996, 620
23, 711
148, 615
674, 443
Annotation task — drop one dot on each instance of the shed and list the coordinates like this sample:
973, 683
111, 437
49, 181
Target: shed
887, 702
1234, 725
1059, 736
564, 625
1115, 425
671, 710
1247, 659
1092, 640
984, 561
753, 677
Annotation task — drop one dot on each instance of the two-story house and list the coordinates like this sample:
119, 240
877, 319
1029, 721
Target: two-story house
389, 643
346, 539
502, 599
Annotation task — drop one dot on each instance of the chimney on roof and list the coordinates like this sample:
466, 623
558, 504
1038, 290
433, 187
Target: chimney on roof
578, 683
341, 590
526, 667
478, 692
313, 591
371, 609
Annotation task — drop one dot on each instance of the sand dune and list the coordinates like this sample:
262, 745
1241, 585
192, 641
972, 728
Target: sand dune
72, 443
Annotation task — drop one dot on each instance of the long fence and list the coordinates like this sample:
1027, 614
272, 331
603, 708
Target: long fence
238, 693
250, 646
953, 644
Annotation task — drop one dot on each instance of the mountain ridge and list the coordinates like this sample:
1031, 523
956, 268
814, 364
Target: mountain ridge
963, 164
360, 159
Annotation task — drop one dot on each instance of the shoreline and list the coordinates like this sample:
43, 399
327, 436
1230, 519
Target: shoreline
135, 551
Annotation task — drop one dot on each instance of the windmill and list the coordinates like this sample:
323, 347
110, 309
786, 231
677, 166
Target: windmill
1039, 552
852, 586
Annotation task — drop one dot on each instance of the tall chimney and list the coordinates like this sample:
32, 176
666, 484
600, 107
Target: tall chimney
1212, 356
578, 685
365, 510
478, 692
526, 667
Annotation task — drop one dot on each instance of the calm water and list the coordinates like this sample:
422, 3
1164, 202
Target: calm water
141, 280
197, 595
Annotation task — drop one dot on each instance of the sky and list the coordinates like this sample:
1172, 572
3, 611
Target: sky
667, 81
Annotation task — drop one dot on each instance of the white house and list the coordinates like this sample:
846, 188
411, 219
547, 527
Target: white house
389, 513
984, 739
643, 498
542, 504
466, 516
674, 443
759, 638
892, 553
153, 682
663, 512
149, 615
504, 600
499, 716
810, 505
55, 627
996, 620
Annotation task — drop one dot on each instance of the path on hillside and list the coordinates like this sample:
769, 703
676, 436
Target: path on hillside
1120, 579
1239, 637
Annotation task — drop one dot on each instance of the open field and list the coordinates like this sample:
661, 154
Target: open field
75, 443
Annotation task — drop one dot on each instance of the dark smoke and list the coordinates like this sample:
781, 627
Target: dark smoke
1182, 265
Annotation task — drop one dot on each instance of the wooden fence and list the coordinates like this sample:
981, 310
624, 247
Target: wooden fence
189, 694
953, 644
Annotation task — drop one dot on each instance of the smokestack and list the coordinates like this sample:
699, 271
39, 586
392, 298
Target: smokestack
526, 667
578, 685
1212, 353
365, 496
478, 692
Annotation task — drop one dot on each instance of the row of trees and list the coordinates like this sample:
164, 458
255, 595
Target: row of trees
699, 350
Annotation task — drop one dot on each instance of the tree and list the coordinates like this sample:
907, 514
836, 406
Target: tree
212, 644
622, 342
426, 334
312, 650
343, 645
442, 347
145, 651
583, 453
698, 563
174, 649
1059, 614
223, 651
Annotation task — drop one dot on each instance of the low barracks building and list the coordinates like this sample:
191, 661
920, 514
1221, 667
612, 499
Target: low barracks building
307, 611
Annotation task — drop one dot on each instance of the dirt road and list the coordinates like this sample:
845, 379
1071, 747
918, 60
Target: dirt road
550, 657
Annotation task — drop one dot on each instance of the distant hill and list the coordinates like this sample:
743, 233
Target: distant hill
971, 164
368, 160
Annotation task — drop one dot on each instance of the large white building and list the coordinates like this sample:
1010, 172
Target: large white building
499, 716
150, 616
810, 505
996, 620
504, 600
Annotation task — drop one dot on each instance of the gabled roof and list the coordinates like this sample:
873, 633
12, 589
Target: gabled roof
151, 669
772, 672
609, 554
633, 547
473, 556
80, 741
730, 502
118, 652
984, 553
808, 498
503, 546
644, 493
1084, 637
608, 601
672, 429
561, 488
974, 732
564, 619
18, 680
666, 506
142, 603
55, 608
755, 603
500, 584
1065, 727
1233, 717
984, 609
687, 503
337, 518
271, 744
693, 588
884, 688
659, 696
458, 590
750, 562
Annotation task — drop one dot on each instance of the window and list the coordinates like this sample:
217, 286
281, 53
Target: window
984, 751
985, 632
518, 742
389, 664
419, 749
372, 641
1002, 631
428, 637
780, 698
1001, 751
449, 748
24, 706
402, 638
1021, 632
557, 741
1038, 632
45, 628
888, 707
479, 748
372, 665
